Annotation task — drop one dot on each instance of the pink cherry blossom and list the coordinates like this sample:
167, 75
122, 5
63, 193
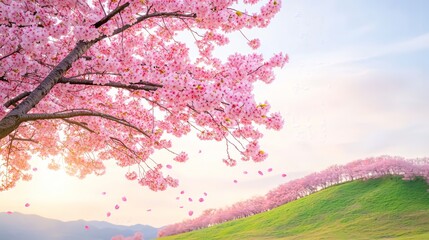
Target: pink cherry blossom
169, 166
255, 43
269, 170
61, 62
86, 227
124, 198
116, 206
201, 200
27, 205
190, 213
260, 173
284, 175
245, 172
108, 214
235, 181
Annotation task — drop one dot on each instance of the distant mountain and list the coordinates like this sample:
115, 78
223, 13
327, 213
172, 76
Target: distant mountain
19, 226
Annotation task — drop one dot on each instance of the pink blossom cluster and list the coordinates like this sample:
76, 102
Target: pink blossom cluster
361, 169
129, 83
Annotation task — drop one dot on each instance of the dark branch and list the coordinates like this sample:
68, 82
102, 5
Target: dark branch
80, 124
147, 86
16, 99
10, 54
111, 14
78, 113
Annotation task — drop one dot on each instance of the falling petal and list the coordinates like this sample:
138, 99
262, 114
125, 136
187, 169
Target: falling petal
108, 214
35, 169
116, 206
260, 173
9, 212
284, 175
177, 198
205, 194
124, 198
181, 207
201, 199
103, 193
199, 151
27, 205
182, 192
245, 172
190, 213
86, 227
270, 169
149, 210
190, 199
235, 181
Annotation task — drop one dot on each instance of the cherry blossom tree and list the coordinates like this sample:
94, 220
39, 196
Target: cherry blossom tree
85, 81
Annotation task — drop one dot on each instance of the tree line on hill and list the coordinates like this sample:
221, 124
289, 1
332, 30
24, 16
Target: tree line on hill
364, 169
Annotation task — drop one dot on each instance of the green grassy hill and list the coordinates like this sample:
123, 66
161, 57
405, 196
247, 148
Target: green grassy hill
386, 208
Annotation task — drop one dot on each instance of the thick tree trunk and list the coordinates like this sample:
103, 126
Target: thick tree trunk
12, 120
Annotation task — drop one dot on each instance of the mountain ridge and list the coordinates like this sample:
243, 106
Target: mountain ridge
18, 226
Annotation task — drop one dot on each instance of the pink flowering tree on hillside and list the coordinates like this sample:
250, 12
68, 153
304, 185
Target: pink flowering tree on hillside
90, 80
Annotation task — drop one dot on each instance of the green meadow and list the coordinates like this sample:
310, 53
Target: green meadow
385, 208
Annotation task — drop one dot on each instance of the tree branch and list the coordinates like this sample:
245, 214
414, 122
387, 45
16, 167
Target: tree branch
78, 113
16, 99
147, 86
10, 54
110, 15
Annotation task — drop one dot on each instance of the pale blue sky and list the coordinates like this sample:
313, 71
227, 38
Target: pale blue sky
356, 86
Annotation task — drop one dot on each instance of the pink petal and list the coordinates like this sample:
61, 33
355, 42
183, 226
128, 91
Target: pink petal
27, 205
86, 227
235, 181
108, 214
182, 192
199, 151
201, 199
260, 173
190, 213
103, 193
205, 194
181, 207
116, 206
149, 210
284, 175
9, 212
245, 172
270, 169
177, 198
169, 166
190, 199
35, 169
124, 198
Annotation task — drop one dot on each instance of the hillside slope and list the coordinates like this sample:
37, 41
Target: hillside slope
379, 208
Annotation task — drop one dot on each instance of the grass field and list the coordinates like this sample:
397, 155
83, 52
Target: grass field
386, 208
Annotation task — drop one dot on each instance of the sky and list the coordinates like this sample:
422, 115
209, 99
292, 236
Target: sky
356, 86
